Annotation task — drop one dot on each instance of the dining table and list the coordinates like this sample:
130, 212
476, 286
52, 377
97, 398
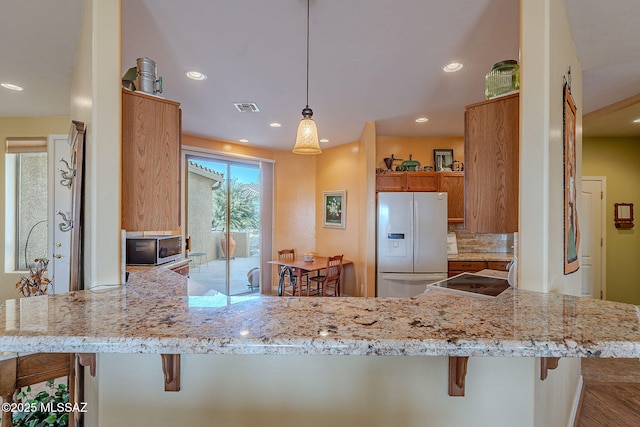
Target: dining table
316, 264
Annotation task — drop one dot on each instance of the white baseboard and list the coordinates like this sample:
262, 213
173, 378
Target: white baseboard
576, 403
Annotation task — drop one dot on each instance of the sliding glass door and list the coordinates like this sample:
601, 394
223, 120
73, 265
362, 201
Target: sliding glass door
224, 223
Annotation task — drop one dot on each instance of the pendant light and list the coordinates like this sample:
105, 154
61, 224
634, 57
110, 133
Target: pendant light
307, 137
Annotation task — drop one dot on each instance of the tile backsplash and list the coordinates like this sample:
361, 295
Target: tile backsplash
485, 242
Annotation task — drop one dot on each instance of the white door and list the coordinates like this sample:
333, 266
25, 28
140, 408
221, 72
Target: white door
592, 244
59, 200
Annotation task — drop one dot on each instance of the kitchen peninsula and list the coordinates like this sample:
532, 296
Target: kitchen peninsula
154, 314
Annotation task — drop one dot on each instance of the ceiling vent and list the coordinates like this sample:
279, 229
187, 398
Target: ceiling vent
247, 107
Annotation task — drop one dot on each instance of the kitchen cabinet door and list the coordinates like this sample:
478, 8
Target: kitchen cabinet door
406, 181
453, 184
391, 181
458, 267
491, 165
151, 139
421, 181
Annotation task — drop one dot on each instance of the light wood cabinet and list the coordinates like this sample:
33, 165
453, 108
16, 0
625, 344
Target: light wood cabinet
151, 139
422, 181
491, 165
406, 181
391, 181
452, 183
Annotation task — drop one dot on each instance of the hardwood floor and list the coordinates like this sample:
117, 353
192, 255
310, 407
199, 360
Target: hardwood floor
611, 394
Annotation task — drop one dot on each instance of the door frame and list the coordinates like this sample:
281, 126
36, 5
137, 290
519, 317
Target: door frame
267, 201
58, 242
603, 212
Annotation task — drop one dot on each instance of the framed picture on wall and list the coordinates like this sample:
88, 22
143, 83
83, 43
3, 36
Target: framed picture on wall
571, 226
443, 160
335, 209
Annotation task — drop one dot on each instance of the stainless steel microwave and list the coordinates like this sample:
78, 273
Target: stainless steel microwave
153, 250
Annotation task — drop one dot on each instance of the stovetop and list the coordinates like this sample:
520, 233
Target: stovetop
473, 284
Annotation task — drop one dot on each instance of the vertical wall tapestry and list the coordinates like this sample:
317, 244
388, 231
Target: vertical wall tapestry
571, 227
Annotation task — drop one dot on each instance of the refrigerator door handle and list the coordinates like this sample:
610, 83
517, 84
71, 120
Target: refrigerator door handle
416, 235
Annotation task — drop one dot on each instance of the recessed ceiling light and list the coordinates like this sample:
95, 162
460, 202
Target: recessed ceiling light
196, 75
244, 140
275, 125
422, 120
453, 67
636, 121
11, 86
324, 140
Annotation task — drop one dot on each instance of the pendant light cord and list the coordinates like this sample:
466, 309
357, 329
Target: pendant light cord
308, 19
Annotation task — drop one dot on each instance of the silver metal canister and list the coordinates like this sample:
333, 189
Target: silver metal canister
147, 80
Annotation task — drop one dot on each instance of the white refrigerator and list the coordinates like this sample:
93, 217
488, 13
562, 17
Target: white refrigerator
411, 242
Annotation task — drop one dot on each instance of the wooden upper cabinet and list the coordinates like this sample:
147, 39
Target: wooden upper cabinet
406, 181
491, 165
452, 183
422, 181
151, 140
391, 181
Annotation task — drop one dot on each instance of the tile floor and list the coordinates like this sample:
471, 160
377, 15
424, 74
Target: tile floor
207, 277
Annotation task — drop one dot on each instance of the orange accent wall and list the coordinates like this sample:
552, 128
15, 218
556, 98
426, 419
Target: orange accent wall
294, 202
337, 169
420, 147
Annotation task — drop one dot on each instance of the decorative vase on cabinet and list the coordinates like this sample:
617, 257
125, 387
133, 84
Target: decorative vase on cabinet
151, 139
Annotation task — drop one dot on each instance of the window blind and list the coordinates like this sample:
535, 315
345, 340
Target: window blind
26, 145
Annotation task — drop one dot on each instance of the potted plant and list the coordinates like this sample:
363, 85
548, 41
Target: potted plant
45, 407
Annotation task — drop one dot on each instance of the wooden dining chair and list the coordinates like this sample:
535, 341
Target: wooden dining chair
328, 284
295, 286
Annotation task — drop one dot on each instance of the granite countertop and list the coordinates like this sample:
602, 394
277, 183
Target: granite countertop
154, 314
480, 256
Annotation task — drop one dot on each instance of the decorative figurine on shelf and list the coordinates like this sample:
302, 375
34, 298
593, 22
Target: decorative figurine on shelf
388, 161
410, 165
457, 166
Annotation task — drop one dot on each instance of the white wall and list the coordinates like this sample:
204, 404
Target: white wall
95, 100
547, 53
563, 56
246, 390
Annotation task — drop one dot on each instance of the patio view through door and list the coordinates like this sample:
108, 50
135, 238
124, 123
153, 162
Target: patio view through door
223, 223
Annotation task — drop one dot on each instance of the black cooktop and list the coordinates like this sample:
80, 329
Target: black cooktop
473, 284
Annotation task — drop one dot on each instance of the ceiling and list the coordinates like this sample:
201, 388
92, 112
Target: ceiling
370, 60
